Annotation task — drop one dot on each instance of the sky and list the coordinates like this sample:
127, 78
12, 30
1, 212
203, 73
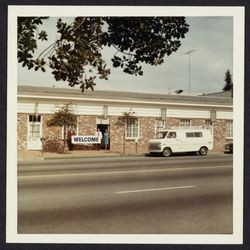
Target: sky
211, 38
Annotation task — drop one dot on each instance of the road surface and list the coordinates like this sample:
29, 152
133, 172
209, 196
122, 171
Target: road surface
127, 195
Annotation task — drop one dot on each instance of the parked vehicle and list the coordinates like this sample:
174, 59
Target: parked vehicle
181, 140
229, 147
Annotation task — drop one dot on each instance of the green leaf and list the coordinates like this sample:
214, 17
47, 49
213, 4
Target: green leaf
116, 64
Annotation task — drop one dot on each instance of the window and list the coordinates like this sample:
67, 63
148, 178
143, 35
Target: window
34, 130
161, 135
208, 124
229, 129
193, 134
198, 134
34, 126
185, 122
33, 118
190, 134
171, 135
132, 130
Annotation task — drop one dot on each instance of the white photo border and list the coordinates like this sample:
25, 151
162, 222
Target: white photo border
238, 71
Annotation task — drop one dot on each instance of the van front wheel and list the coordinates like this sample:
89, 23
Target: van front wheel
166, 152
203, 151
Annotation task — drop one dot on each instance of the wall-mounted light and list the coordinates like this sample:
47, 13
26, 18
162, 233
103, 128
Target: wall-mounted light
213, 115
105, 111
163, 114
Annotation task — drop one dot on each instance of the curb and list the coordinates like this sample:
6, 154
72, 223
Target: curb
30, 159
22, 159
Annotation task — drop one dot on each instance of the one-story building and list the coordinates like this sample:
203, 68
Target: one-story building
101, 109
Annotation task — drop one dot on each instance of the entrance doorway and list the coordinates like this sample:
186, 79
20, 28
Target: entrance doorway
103, 128
34, 132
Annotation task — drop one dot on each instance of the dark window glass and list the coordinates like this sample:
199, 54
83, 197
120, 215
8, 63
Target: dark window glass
171, 135
190, 134
198, 134
33, 118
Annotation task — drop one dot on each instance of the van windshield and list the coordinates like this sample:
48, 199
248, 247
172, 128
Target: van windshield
161, 135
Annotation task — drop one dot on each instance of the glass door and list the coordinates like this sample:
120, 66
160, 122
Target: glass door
34, 132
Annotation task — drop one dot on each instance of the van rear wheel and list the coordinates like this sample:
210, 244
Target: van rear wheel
203, 151
166, 152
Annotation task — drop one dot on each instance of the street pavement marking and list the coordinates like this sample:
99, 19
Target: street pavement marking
153, 189
117, 172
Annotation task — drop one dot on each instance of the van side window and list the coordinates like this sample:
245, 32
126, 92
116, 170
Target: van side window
193, 134
198, 134
171, 135
189, 134
161, 135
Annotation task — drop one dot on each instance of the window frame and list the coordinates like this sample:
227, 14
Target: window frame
184, 121
132, 128
33, 122
229, 129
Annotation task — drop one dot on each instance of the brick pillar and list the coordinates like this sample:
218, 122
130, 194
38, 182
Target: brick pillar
116, 135
219, 135
22, 131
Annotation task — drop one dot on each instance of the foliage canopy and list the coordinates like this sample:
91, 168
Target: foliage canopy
76, 55
64, 117
228, 80
127, 118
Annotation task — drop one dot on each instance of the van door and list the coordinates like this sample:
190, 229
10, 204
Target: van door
174, 141
192, 141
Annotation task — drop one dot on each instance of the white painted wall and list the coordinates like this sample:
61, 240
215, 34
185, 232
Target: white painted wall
97, 110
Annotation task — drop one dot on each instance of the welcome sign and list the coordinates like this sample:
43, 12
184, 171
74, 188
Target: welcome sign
86, 139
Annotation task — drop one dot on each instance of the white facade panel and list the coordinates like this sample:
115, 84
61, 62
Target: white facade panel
97, 110
224, 115
89, 110
30, 108
46, 108
184, 113
140, 112
148, 112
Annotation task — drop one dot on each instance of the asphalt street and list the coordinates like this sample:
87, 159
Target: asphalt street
127, 195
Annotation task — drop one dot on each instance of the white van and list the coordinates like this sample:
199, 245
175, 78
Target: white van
178, 140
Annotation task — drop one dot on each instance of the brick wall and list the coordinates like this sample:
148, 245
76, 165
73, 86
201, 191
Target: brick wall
219, 135
53, 135
116, 135
172, 122
197, 122
147, 131
87, 126
22, 130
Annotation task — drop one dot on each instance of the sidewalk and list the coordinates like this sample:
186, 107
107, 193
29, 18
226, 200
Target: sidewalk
37, 155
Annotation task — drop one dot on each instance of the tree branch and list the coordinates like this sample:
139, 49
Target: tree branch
45, 50
125, 53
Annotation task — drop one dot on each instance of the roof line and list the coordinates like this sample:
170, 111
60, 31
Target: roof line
124, 101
